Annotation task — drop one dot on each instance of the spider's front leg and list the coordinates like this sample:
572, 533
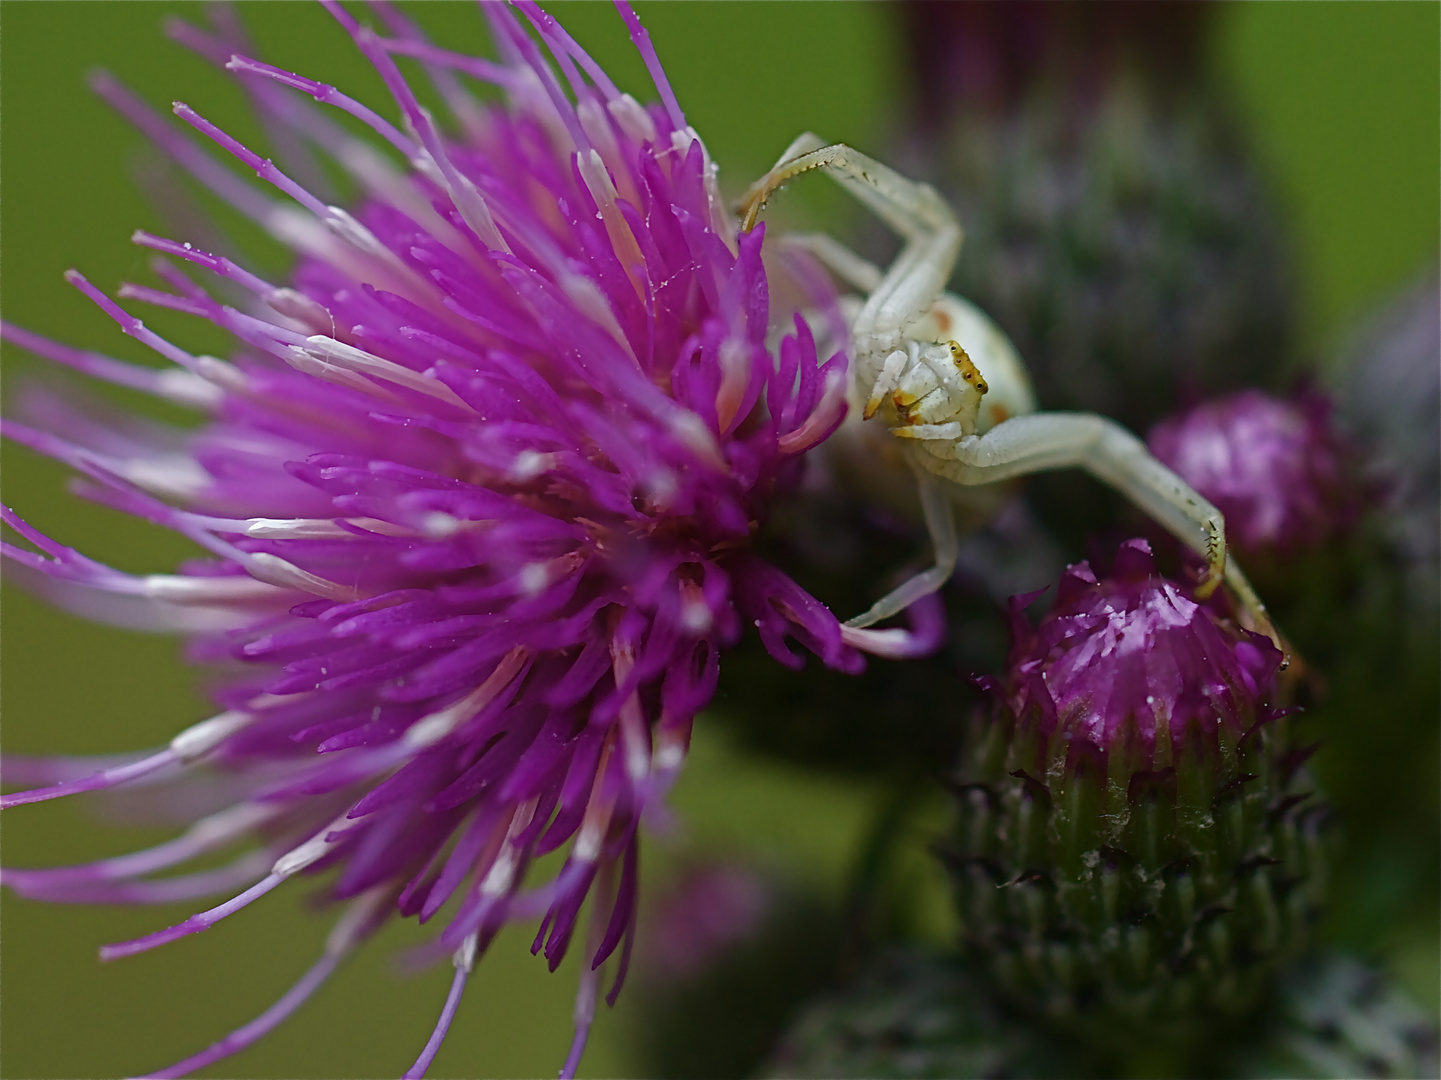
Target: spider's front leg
915, 211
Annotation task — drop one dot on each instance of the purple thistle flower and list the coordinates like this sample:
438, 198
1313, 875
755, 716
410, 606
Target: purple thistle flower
478, 485
1277, 469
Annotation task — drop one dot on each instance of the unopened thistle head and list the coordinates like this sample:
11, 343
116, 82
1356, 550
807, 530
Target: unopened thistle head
478, 485
1137, 845
1277, 468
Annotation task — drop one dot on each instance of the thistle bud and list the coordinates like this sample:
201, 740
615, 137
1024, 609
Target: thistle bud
1293, 488
1277, 468
1136, 841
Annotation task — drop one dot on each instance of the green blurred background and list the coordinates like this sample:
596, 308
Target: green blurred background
1340, 100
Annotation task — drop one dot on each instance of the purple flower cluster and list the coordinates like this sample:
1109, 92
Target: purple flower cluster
479, 485
1133, 654
1276, 468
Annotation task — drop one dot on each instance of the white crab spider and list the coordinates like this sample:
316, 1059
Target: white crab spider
909, 370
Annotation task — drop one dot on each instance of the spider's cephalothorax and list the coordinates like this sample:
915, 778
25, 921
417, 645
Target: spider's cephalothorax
931, 384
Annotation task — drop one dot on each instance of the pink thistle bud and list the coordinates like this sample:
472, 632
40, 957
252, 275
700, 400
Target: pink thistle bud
1276, 468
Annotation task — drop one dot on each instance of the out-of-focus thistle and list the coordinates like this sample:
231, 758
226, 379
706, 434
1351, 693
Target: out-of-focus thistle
1115, 229
1137, 847
730, 953
702, 917
1276, 468
1295, 494
478, 485
1336, 1019
918, 1014
1387, 388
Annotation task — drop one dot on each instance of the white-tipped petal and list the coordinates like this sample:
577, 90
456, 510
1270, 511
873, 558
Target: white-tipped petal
199, 739
630, 114
221, 373
189, 388
274, 570
350, 358
185, 589
429, 730
314, 849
